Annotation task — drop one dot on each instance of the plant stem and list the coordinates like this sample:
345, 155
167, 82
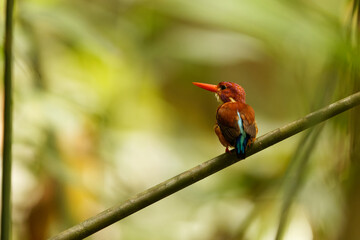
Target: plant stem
300, 159
166, 188
7, 133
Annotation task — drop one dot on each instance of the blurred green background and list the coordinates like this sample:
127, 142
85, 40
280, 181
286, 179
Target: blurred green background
105, 108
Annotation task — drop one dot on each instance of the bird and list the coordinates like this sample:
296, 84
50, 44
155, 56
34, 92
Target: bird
235, 120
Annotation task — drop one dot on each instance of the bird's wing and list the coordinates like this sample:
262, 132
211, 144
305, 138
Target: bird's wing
229, 133
248, 117
227, 119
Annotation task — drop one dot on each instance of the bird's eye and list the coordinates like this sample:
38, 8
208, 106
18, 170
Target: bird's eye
222, 87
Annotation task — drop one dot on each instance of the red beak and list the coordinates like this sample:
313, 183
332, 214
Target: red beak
209, 87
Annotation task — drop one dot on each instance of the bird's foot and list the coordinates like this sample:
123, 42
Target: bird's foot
227, 150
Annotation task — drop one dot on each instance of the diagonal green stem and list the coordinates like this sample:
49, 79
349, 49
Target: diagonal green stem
166, 188
6, 167
301, 158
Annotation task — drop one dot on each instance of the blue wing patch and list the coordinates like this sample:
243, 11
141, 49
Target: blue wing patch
241, 140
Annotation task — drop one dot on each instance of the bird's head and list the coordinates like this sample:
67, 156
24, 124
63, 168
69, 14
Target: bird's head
225, 91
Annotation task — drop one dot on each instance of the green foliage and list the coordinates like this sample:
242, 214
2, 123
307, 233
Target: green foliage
105, 108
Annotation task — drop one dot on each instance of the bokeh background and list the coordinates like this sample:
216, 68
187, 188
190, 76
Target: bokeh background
105, 108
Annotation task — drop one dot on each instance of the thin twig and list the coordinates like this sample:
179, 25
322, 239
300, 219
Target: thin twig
7, 133
201, 171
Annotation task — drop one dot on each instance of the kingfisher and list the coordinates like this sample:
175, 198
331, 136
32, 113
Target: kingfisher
235, 120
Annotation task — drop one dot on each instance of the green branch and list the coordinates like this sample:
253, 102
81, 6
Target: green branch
201, 171
6, 166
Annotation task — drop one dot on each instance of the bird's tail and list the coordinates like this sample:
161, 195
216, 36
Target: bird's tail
240, 145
